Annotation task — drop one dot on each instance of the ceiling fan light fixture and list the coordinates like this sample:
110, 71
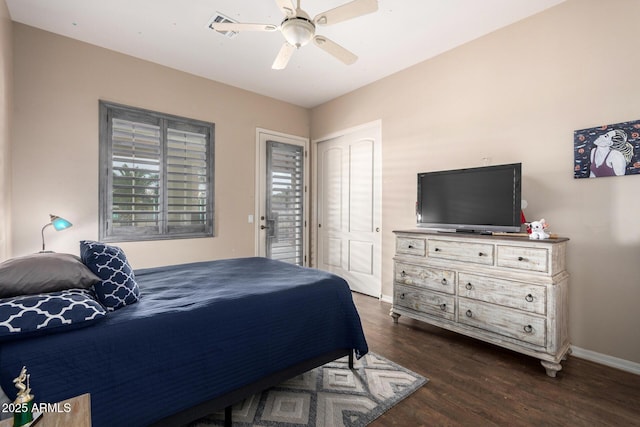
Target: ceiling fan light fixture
298, 31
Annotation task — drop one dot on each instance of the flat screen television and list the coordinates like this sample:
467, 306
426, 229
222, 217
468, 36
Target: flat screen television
481, 200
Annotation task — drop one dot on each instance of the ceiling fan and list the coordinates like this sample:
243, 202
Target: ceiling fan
298, 29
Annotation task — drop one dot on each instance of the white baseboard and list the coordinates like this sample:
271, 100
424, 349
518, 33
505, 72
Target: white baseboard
603, 359
386, 298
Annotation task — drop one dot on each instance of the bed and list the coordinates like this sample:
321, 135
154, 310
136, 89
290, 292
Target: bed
201, 337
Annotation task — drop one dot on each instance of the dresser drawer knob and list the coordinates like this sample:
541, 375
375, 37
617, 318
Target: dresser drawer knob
401, 296
444, 281
437, 249
443, 307
480, 254
410, 246
469, 313
403, 274
469, 286
529, 298
521, 258
528, 329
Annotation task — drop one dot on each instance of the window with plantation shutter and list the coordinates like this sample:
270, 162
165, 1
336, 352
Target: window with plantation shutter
156, 175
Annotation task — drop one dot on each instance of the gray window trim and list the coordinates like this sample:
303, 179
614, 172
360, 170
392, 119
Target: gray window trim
108, 111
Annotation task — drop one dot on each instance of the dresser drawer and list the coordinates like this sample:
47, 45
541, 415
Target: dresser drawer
425, 277
518, 295
508, 322
422, 301
521, 258
477, 253
411, 246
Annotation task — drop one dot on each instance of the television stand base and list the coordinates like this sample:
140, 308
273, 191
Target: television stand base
483, 232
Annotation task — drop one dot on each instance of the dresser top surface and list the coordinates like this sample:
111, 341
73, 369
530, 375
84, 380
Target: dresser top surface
513, 237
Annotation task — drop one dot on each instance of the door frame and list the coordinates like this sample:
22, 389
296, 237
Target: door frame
376, 125
262, 135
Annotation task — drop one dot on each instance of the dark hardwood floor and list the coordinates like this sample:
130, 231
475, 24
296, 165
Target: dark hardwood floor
472, 383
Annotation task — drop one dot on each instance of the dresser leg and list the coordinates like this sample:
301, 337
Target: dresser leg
551, 367
394, 315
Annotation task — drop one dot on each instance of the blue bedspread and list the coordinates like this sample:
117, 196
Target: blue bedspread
200, 330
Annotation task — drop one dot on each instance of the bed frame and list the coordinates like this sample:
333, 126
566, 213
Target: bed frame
227, 400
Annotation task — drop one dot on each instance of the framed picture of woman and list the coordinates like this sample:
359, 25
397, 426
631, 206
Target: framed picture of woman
609, 150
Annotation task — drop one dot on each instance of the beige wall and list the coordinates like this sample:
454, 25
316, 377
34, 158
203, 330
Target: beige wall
517, 95
6, 86
58, 82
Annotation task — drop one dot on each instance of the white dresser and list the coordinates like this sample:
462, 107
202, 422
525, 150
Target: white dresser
509, 291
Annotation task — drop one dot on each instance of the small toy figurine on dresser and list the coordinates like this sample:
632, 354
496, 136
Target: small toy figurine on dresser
535, 229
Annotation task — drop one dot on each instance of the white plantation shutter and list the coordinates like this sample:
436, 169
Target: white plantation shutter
285, 176
156, 175
187, 181
136, 176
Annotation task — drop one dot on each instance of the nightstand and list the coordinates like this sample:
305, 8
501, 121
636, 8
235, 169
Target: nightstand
78, 414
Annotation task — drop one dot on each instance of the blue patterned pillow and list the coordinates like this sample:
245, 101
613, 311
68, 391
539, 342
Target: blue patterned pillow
30, 315
117, 287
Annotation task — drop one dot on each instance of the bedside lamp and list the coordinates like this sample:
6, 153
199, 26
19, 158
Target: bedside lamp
58, 223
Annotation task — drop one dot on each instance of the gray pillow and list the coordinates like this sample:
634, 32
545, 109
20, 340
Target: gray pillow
42, 273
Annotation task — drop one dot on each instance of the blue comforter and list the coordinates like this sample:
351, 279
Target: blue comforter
200, 330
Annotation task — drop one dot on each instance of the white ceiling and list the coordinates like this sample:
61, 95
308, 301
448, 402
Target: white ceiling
175, 33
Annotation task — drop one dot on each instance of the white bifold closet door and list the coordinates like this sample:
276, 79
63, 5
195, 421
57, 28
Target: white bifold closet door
349, 211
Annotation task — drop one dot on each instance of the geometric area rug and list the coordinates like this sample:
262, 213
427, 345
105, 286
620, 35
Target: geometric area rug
331, 395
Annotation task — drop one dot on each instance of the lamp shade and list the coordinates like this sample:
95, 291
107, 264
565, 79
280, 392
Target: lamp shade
59, 223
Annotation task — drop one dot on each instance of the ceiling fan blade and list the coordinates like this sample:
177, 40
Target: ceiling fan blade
335, 49
287, 7
283, 56
234, 26
346, 11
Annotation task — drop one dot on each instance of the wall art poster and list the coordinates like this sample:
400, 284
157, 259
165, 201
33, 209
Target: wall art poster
609, 150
